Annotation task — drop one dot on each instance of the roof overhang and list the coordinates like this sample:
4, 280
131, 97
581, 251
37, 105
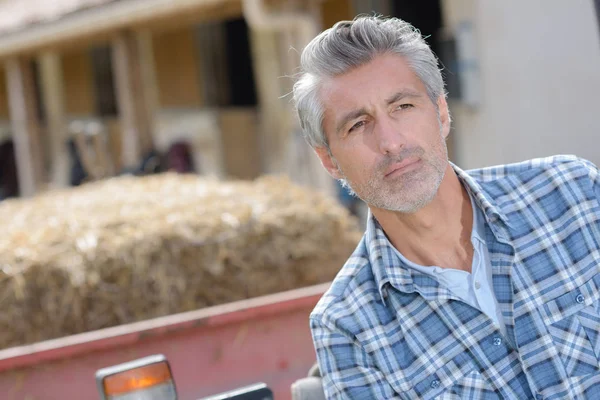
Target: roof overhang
103, 20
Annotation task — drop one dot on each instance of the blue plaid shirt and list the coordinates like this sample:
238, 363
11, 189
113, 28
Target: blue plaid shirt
386, 331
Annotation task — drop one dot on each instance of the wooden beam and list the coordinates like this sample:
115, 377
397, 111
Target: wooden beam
24, 120
149, 82
133, 112
80, 29
53, 92
319, 178
272, 34
130, 153
273, 114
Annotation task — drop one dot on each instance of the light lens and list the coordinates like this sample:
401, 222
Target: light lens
166, 391
137, 379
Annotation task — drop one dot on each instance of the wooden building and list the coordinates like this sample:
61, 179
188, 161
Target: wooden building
122, 77
114, 80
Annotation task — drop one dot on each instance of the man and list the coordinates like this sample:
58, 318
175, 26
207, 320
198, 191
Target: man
467, 285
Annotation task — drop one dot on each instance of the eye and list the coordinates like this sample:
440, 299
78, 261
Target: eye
357, 125
405, 106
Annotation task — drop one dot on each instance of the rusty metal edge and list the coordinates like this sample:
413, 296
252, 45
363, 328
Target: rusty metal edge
128, 334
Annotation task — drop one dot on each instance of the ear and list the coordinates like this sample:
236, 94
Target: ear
328, 162
444, 115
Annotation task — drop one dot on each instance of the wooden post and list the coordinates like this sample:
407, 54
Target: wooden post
24, 120
149, 85
53, 92
304, 33
280, 131
134, 116
272, 111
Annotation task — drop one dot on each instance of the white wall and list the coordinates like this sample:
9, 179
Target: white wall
539, 89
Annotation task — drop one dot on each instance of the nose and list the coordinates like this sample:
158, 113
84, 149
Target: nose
389, 136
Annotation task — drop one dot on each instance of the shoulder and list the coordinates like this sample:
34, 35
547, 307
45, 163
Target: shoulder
351, 294
530, 168
540, 175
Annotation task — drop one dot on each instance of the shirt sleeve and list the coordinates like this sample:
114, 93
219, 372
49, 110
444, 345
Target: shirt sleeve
348, 371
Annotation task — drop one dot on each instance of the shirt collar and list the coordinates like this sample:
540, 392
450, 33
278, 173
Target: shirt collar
492, 211
478, 231
389, 269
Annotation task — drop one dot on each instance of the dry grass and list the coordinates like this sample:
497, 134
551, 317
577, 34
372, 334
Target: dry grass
133, 248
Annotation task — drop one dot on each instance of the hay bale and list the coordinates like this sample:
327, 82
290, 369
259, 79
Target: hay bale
133, 248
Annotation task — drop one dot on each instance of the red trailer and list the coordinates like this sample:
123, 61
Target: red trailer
211, 350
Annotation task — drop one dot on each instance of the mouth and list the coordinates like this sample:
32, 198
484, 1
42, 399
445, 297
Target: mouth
402, 167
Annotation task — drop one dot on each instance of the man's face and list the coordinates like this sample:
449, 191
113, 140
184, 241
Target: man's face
387, 138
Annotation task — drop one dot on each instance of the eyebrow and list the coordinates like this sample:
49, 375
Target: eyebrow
403, 94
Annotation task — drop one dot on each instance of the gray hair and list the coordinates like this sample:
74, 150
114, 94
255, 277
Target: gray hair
348, 45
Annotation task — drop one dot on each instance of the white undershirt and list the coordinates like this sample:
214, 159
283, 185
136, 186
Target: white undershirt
475, 288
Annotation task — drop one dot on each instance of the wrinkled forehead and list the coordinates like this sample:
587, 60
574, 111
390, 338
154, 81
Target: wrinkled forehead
370, 85
386, 72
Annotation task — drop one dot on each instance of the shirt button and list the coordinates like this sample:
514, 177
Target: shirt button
477, 285
435, 384
497, 341
580, 299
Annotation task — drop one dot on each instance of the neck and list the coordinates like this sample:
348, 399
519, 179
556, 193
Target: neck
439, 233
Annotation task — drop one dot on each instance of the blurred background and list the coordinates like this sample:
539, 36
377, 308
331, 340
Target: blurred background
95, 88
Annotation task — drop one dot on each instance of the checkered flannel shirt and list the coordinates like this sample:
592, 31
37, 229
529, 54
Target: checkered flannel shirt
385, 331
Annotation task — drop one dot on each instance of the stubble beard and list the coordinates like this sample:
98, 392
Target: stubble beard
409, 192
